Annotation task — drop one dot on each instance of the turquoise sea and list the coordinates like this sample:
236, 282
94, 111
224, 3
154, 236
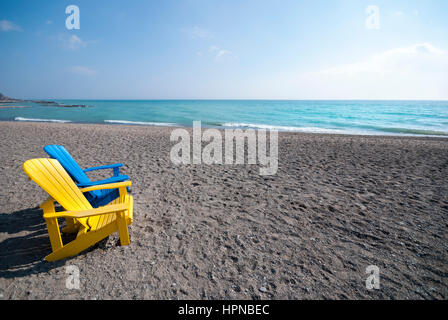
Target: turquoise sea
428, 118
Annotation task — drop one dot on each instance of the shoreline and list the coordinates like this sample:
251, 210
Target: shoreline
174, 126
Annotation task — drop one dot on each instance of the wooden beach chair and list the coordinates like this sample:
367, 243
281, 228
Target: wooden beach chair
91, 224
96, 198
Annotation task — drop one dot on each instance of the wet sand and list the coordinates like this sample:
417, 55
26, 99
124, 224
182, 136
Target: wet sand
337, 204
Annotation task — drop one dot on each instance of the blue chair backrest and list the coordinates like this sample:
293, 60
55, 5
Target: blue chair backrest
65, 159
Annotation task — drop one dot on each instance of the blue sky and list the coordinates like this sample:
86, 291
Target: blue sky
191, 49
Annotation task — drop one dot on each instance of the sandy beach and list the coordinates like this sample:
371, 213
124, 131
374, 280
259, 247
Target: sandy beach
337, 204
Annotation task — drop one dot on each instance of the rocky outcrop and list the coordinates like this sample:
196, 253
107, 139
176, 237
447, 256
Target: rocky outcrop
5, 99
57, 104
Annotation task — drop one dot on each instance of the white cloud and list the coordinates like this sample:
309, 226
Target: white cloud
395, 61
198, 33
72, 42
419, 71
80, 70
399, 13
6, 25
220, 54
75, 42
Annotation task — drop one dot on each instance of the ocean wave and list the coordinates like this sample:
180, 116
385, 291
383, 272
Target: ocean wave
141, 123
371, 130
281, 128
422, 132
40, 120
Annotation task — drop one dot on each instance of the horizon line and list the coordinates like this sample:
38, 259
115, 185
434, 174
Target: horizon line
228, 99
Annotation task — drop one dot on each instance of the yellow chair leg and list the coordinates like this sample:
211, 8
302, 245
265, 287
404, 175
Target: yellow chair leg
129, 214
52, 226
123, 229
54, 234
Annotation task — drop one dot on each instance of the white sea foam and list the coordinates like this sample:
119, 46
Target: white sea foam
40, 120
281, 128
141, 123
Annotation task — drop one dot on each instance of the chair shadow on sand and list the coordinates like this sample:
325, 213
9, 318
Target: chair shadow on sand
27, 243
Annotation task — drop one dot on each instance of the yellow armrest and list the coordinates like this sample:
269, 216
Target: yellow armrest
113, 208
115, 185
